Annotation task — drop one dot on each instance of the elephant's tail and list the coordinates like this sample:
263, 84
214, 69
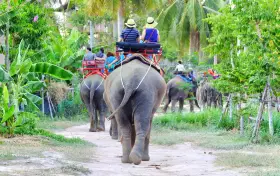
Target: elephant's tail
127, 95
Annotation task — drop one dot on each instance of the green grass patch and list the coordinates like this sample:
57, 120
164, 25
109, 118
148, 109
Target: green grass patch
266, 173
58, 124
59, 138
236, 159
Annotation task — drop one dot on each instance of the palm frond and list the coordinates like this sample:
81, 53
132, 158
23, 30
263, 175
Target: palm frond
192, 11
183, 31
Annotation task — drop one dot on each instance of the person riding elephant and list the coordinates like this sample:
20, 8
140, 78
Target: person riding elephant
150, 33
91, 91
134, 98
174, 94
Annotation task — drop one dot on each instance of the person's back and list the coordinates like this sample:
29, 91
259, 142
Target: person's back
180, 68
150, 33
110, 58
130, 34
89, 56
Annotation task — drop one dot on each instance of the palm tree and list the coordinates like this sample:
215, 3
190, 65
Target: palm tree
184, 19
119, 9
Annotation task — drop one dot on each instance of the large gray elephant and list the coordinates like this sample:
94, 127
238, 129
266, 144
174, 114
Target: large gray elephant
175, 94
207, 95
91, 90
133, 92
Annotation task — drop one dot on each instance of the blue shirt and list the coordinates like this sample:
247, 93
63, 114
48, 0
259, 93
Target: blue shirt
151, 35
130, 35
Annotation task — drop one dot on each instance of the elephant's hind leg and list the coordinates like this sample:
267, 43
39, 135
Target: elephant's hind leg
146, 156
142, 117
167, 102
126, 131
173, 105
181, 105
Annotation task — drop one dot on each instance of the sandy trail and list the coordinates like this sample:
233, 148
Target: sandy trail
183, 159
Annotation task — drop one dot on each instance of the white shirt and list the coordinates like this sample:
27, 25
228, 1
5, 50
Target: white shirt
180, 68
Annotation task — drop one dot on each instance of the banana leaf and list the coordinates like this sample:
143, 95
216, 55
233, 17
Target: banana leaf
33, 86
52, 70
4, 76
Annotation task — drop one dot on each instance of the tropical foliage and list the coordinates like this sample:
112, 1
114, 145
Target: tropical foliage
246, 66
24, 81
185, 20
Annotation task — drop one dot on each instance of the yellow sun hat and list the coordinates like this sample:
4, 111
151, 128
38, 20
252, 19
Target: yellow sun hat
130, 23
151, 23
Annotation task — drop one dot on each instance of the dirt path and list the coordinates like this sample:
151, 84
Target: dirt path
181, 159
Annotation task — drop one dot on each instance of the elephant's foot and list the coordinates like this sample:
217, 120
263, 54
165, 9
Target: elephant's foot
100, 128
92, 130
146, 157
125, 159
115, 137
135, 157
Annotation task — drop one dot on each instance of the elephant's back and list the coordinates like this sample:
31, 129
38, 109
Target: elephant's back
135, 72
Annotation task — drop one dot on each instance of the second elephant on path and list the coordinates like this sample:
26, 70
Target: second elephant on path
91, 90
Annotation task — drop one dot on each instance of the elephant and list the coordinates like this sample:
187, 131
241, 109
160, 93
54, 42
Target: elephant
175, 94
207, 95
133, 92
91, 91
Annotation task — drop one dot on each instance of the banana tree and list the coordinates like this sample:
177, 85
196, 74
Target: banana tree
65, 52
24, 80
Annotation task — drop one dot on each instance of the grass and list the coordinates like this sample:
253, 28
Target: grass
59, 124
69, 169
232, 150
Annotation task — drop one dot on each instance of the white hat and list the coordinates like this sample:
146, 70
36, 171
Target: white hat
130, 23
151, 23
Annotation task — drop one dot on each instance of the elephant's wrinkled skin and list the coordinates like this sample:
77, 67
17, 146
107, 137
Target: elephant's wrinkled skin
91, 91
175, 94
134, 109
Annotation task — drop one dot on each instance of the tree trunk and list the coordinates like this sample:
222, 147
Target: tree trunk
115, 30
215, 60
120, 18
91, 31
195, 43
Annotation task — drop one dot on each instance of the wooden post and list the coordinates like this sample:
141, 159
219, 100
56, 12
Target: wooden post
48, 97
42, 95
230, 107
259, 117
241, 119
225, 108
269, 108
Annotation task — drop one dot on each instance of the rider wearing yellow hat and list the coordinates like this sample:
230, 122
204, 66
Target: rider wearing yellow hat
130, 34
150, 33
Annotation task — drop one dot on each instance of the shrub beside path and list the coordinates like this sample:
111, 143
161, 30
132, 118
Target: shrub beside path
182, 159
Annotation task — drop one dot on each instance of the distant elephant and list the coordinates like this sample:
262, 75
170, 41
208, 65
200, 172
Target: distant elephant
91, 91
175, 94
133, 93
207, 95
